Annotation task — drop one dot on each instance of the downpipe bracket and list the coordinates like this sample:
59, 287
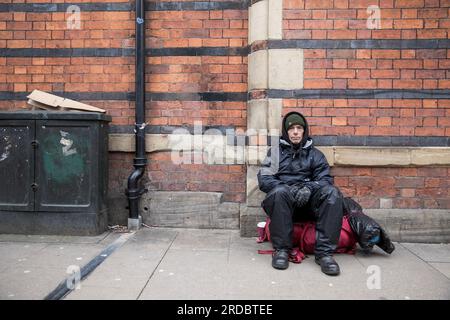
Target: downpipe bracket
135, 194
139, 127
139, 163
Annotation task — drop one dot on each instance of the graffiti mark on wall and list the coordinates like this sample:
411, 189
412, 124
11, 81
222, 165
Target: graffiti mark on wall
67, 144
63, 156
6, 150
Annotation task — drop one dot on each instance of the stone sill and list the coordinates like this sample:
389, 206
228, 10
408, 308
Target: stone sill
336, 156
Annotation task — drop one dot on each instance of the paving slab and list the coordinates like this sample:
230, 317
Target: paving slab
64, 255
32, 266
128, 268
430, 252
202, 239
104, 293
443, 268
15, 253
188, 274
257, 279
18, 283
405, 276
54, 238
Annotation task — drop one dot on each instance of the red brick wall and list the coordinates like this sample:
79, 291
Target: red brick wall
411, 188
224, 28
216, 28
375, 117
371, 68
194, 74
69, 74
164, 175
178, 113
346, 19
48, 30
99, 29
45, 30
376, 69
197, 74
228, 179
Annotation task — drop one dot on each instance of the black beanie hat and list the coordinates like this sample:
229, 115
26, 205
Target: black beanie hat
294, 119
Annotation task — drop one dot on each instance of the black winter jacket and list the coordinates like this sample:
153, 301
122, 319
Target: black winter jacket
298, 165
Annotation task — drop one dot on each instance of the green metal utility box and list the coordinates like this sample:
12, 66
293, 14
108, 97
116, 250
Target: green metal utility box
53, 172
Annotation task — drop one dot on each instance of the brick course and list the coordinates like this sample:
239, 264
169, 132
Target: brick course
378, 117
348, 20
408, 188
376, 69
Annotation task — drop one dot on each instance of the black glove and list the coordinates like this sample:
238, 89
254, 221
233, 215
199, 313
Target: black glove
301, 195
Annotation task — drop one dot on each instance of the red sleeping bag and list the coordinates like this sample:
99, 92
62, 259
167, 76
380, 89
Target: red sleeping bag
304, 239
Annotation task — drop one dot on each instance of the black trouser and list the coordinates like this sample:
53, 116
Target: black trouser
324, 206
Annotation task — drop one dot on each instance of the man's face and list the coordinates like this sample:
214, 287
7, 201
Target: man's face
295, 133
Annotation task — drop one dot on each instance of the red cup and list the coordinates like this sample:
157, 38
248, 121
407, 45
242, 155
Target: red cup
261, 226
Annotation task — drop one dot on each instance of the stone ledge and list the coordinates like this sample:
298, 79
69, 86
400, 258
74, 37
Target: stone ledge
189, 210
414, 225
391, 156
125, 142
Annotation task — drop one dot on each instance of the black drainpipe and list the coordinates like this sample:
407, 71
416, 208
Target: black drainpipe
134, 191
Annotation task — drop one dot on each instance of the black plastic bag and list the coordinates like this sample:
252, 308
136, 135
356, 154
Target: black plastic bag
368, 232
351, 206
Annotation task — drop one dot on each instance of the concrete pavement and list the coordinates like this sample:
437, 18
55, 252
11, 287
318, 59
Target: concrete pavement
186, 264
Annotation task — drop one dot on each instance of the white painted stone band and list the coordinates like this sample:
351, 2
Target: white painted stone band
216, 146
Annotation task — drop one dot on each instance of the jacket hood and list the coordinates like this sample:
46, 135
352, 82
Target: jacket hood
306, 141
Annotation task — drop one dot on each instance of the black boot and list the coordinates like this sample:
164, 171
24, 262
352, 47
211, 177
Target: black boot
328, 265
280, 259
